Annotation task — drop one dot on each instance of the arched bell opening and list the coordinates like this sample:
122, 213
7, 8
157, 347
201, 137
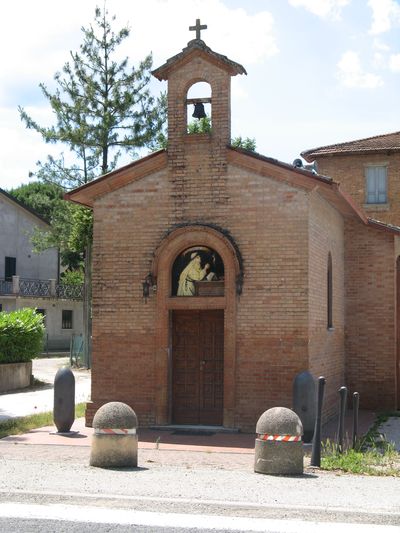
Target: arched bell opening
199, 112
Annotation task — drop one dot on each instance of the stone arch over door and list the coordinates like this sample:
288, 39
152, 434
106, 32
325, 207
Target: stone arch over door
175, 243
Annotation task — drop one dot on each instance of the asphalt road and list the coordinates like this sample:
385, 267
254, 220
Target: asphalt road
15, 517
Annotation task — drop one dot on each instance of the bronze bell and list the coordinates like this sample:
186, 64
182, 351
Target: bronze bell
199, 111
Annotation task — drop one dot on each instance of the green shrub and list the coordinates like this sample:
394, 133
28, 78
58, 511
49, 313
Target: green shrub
21, 335
72, 277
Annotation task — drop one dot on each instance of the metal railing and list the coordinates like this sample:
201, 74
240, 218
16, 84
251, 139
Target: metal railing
73, 292
40, 288
34, 287
5, 287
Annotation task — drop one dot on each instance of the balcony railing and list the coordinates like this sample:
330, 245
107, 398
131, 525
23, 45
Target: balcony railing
48, 288
34, 287
74, 292
5, 286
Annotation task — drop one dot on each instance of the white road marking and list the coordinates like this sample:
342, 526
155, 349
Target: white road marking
98, 515
198, 501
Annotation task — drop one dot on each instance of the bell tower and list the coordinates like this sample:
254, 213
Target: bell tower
197, 158
198, 63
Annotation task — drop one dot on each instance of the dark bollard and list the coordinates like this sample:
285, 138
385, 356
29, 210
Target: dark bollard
304, 402
316, 443
64, 400
342, 412
356, 404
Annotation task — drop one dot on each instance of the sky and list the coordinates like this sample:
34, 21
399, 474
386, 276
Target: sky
318, 71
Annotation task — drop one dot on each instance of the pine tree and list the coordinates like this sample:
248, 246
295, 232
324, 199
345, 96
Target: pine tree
102, 107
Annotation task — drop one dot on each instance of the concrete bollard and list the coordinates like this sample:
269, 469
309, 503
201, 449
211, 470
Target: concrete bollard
64, 400
279, 448
304, 402
114, 442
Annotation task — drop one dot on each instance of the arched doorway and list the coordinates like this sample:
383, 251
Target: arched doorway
196, 330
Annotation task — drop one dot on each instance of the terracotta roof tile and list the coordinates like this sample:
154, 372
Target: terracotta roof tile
379, 143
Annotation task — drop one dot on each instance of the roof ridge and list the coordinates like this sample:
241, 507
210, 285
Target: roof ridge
332, 146
197, 44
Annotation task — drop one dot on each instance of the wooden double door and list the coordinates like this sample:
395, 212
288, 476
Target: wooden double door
197, 367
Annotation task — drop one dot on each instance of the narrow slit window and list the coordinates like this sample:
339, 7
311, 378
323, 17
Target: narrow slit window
329, 293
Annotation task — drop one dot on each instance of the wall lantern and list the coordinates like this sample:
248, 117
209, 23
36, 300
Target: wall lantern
148, 283
239, 283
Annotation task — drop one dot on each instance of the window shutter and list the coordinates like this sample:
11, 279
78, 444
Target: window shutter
376, 185
10, 268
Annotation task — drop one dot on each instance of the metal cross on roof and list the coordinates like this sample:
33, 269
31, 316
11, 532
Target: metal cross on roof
198, 28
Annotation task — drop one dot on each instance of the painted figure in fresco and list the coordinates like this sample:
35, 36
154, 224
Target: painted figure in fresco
192, 272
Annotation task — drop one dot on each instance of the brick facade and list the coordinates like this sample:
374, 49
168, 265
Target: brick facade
272, 225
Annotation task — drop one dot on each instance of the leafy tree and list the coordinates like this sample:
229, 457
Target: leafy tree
245, 143
204, 126
47, 200
44, 198
72, 277
102, 108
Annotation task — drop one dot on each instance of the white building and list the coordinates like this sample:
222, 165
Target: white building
28, 279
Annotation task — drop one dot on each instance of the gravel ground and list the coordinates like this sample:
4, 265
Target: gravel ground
195, 482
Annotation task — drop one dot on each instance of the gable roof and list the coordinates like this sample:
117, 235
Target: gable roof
24, 206
379, 143
262, 165
199, 48
87, 194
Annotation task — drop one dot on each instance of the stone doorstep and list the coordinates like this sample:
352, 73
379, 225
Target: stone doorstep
194, 429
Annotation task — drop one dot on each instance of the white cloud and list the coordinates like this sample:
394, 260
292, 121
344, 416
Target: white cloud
385, 15
377, 44
351, 74
322, 8
249, 38
394, 62
379, 60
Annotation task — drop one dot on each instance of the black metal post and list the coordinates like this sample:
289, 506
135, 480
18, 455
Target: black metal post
356, 404
316, 443
342, 412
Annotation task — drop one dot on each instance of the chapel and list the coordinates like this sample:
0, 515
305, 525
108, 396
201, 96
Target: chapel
219, 274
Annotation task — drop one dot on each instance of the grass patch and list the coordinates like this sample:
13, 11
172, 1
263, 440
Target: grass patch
17, 426
373, 455
373, 461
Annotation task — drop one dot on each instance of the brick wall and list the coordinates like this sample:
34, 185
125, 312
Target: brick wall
284, 234
268, 219
326, 345
370, 315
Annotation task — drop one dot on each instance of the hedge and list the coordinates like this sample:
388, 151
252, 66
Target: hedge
21, 335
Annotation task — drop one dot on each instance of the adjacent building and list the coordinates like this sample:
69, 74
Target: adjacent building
28, 279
